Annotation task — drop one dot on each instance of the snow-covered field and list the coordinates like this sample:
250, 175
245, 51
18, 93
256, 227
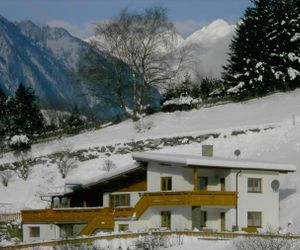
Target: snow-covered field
281, 144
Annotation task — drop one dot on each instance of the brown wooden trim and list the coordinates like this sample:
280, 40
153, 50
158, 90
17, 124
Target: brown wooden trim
200, 198
195, 179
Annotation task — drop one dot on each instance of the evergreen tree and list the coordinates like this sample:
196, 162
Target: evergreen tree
284, 44
26, 116
261, 51
75, 120
3, 113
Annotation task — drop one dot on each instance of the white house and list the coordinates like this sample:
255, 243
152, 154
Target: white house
170, 191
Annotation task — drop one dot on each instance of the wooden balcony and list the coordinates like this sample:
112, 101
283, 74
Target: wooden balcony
104, 218
205, 198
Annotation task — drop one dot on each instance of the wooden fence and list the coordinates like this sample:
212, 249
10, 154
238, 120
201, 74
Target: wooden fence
201, 235
7, 217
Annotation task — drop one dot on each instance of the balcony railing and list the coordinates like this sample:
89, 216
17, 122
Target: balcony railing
205, 198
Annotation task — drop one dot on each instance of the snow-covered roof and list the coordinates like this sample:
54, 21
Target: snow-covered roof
104, 177
213, 162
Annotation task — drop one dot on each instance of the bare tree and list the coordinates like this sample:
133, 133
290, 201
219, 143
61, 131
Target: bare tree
136, 46
108, 165
6, 175
23, 165
65, 161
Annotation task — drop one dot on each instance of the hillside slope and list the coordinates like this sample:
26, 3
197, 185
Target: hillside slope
280, 144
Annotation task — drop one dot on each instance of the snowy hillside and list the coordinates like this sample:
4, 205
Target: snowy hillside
279, 144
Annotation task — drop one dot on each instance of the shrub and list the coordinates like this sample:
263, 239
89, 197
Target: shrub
19, 142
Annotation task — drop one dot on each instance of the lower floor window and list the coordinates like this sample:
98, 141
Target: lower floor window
119, 200
34, 232
254, 219
123, 227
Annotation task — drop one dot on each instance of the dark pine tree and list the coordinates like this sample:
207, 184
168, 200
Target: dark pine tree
3, 113
284, 41
75, 119
26, 115
264, 53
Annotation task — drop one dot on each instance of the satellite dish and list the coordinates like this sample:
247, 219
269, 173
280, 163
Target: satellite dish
275, 185
237, 153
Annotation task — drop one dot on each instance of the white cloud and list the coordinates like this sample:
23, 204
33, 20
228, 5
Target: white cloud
82, 31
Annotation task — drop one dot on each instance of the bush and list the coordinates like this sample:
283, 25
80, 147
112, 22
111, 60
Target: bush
19, 142
142, 125
261, 243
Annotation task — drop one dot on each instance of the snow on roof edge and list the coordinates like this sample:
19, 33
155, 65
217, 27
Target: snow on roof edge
213, 162
104, 177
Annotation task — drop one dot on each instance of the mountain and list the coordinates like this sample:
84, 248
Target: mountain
209, 47
45, 58
23, 60
206, 49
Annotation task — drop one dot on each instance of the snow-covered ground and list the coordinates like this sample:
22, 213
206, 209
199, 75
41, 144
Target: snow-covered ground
281, 144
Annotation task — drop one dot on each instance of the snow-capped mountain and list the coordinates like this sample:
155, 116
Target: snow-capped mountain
206, 48
211, 33
209, 47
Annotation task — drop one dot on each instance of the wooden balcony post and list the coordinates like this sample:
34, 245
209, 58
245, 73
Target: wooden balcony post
195, 179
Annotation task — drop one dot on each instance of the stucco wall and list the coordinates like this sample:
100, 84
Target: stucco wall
214, 176
266, 202
214, 217
47, 232
181, 217
182, 178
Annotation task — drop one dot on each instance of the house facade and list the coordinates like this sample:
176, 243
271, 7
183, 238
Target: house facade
165, 191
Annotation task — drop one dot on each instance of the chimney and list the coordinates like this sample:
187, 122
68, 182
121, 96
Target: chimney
207, 150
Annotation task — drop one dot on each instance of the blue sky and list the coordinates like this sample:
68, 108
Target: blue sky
78, 15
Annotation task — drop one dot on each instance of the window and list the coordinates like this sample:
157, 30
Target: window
254, 219
202, 183
254, 185
34, 232
119, 200
166, 219
166, 183
123, 227
203, 217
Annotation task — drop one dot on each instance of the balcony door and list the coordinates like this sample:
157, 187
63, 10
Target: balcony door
222, 216
166, 219
222, 183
